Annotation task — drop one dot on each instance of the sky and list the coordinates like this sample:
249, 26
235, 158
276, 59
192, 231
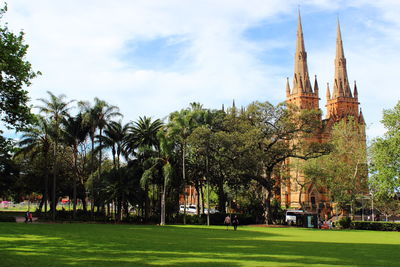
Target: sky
153, 57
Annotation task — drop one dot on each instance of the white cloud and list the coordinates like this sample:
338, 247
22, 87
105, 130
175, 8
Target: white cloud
78, 47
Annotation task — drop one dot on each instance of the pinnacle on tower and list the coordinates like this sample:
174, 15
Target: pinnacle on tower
287, 87
341, 83
328, 92
355, 90
316, 89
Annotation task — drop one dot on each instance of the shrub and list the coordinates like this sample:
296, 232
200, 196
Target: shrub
376, 226
345, 223
7, 219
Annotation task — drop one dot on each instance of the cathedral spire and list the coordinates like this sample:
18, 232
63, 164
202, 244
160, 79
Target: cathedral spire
316, 89
355, 90
341, 83
300, 63
328, 92
287, 87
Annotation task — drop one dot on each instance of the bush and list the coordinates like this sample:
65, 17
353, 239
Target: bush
376, 226
345, 222
7, 219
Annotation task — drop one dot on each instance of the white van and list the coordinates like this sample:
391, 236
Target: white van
291, 216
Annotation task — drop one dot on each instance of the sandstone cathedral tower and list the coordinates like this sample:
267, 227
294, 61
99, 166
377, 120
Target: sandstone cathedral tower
342, 102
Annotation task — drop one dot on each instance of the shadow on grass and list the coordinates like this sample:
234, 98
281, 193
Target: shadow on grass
118, 245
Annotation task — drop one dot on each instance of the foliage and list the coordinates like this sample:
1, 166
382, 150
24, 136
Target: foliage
385, 154
376, 226
346, 179
345, 222
15, 73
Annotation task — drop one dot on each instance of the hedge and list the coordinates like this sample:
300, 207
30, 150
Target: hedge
7, 219
376, 226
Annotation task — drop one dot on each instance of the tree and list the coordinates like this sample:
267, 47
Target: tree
56, 108
160, 163
142, 140
115, 135
344, 171
96, 117
385, 154
37, 141
284, 132
15, 73
74, 133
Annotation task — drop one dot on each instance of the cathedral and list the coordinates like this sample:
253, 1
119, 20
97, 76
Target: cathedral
341, 102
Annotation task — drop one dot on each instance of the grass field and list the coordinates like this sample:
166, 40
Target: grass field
135, 245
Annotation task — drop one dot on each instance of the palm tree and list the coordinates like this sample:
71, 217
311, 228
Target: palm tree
96, 117
56, 108
180, 127
142, 137
74, 133
37, 140
114, 137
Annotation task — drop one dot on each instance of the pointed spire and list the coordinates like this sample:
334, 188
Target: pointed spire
316, 89
339, 42
342, 87
355, 90
328, 92
300, 40
233, 103
361, 117
223, 107
300, 63
287, 87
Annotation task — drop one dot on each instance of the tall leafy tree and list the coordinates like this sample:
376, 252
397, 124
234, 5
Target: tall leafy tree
142, 140
56, 108
15, 73
385, 157
74, 132
344, 171
96, 117
37, 141
284, 132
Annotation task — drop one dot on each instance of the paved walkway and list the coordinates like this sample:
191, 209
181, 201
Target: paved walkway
21, 219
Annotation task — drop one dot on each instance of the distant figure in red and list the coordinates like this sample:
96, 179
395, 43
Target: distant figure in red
227, 221
235, 222
30, 217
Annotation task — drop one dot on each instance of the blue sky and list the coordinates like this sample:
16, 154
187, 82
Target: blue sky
154, 57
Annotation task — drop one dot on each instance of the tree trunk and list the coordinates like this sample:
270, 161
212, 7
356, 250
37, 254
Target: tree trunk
74, 194
221, 197
184, 182
268, 211
46, 183
162, 222
146, 203
93, 178
55, 172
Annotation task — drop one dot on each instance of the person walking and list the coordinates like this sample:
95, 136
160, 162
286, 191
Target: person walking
227, 221
30, 217
235, 222
27, 216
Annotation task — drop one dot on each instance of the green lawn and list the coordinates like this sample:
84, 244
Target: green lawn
133, 245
